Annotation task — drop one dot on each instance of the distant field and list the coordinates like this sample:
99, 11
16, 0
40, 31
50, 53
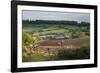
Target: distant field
45, 29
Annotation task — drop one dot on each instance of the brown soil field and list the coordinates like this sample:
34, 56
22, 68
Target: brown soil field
69, 43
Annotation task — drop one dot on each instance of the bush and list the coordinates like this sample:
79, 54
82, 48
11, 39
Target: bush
69, 54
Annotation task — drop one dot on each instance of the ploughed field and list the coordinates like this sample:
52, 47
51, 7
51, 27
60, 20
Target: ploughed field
65, 43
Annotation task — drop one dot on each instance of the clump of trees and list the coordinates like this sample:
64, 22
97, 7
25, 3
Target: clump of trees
30, 42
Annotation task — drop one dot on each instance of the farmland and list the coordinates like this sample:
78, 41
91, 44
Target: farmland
52, 40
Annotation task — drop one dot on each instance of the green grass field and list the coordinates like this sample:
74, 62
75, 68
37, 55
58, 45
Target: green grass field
56, 29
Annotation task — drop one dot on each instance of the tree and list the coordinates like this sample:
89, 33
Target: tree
27, 38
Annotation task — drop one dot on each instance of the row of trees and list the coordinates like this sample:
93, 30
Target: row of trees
25, 22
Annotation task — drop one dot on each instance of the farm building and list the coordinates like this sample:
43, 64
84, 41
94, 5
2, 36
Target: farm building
54, 36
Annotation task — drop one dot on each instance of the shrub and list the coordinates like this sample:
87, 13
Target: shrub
69, 54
